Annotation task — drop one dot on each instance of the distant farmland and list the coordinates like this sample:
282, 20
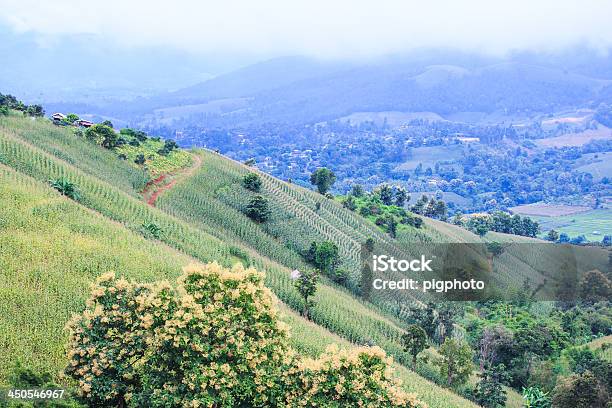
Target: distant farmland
593, 224
576, 139
548, 210
600, 166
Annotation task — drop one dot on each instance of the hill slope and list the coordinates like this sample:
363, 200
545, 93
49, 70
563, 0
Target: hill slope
70, 243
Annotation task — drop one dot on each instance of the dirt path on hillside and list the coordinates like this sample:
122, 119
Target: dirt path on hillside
165, 182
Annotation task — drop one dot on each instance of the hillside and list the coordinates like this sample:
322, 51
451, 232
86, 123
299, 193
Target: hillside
198, 214
69, 244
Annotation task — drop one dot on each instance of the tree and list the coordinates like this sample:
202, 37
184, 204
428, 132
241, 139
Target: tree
306, 285
66, 188
426, 319
252, 181
401, 196
324, 256
495, 248
595, 286
479, 225
458, 218
102, 135
71, 118
456, 362
385, 193
36, 111
349, 203
580, 391
552, 236
323, 178
108, 123
258, 209
489, 391
440, 210
496, 346
4, 110
414, 341
357, 191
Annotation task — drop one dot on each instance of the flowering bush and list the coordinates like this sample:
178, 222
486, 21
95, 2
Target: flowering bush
361, 377
213, 341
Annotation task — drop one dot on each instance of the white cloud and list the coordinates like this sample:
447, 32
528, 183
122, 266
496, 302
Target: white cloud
321, 27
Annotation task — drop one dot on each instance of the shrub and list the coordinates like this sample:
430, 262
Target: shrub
258, 209
580, 391
535, 398
252, 182
22, 377
66, 188
213, 341
340, 378
153, 229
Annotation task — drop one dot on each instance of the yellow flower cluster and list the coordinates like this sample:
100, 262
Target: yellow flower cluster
214, 340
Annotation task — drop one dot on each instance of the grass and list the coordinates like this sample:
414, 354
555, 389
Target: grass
586, 223
597, 345
53, 248
200, 217
62, 271
600, 165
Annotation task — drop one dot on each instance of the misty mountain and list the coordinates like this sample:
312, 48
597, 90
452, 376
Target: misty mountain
302, 90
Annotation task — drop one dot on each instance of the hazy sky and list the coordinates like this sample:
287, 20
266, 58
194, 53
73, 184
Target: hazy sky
326, 28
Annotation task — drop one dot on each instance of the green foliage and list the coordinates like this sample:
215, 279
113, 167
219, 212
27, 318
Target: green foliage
103, 135
455, 362
4, 110
306, 285
25, 378
139, 160
258, 209
489, 392
495, 248
71, 118
153, 229
552, 236
536, 398
357, 191
107, 188
580, 391
479, 225
323, 178
65, 187
252, 181
324, 256
414, 341
595, 286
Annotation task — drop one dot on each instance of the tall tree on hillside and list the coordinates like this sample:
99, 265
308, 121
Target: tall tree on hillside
414, 341
258, 209
456, 362
323, 178
306, 285
401, 196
